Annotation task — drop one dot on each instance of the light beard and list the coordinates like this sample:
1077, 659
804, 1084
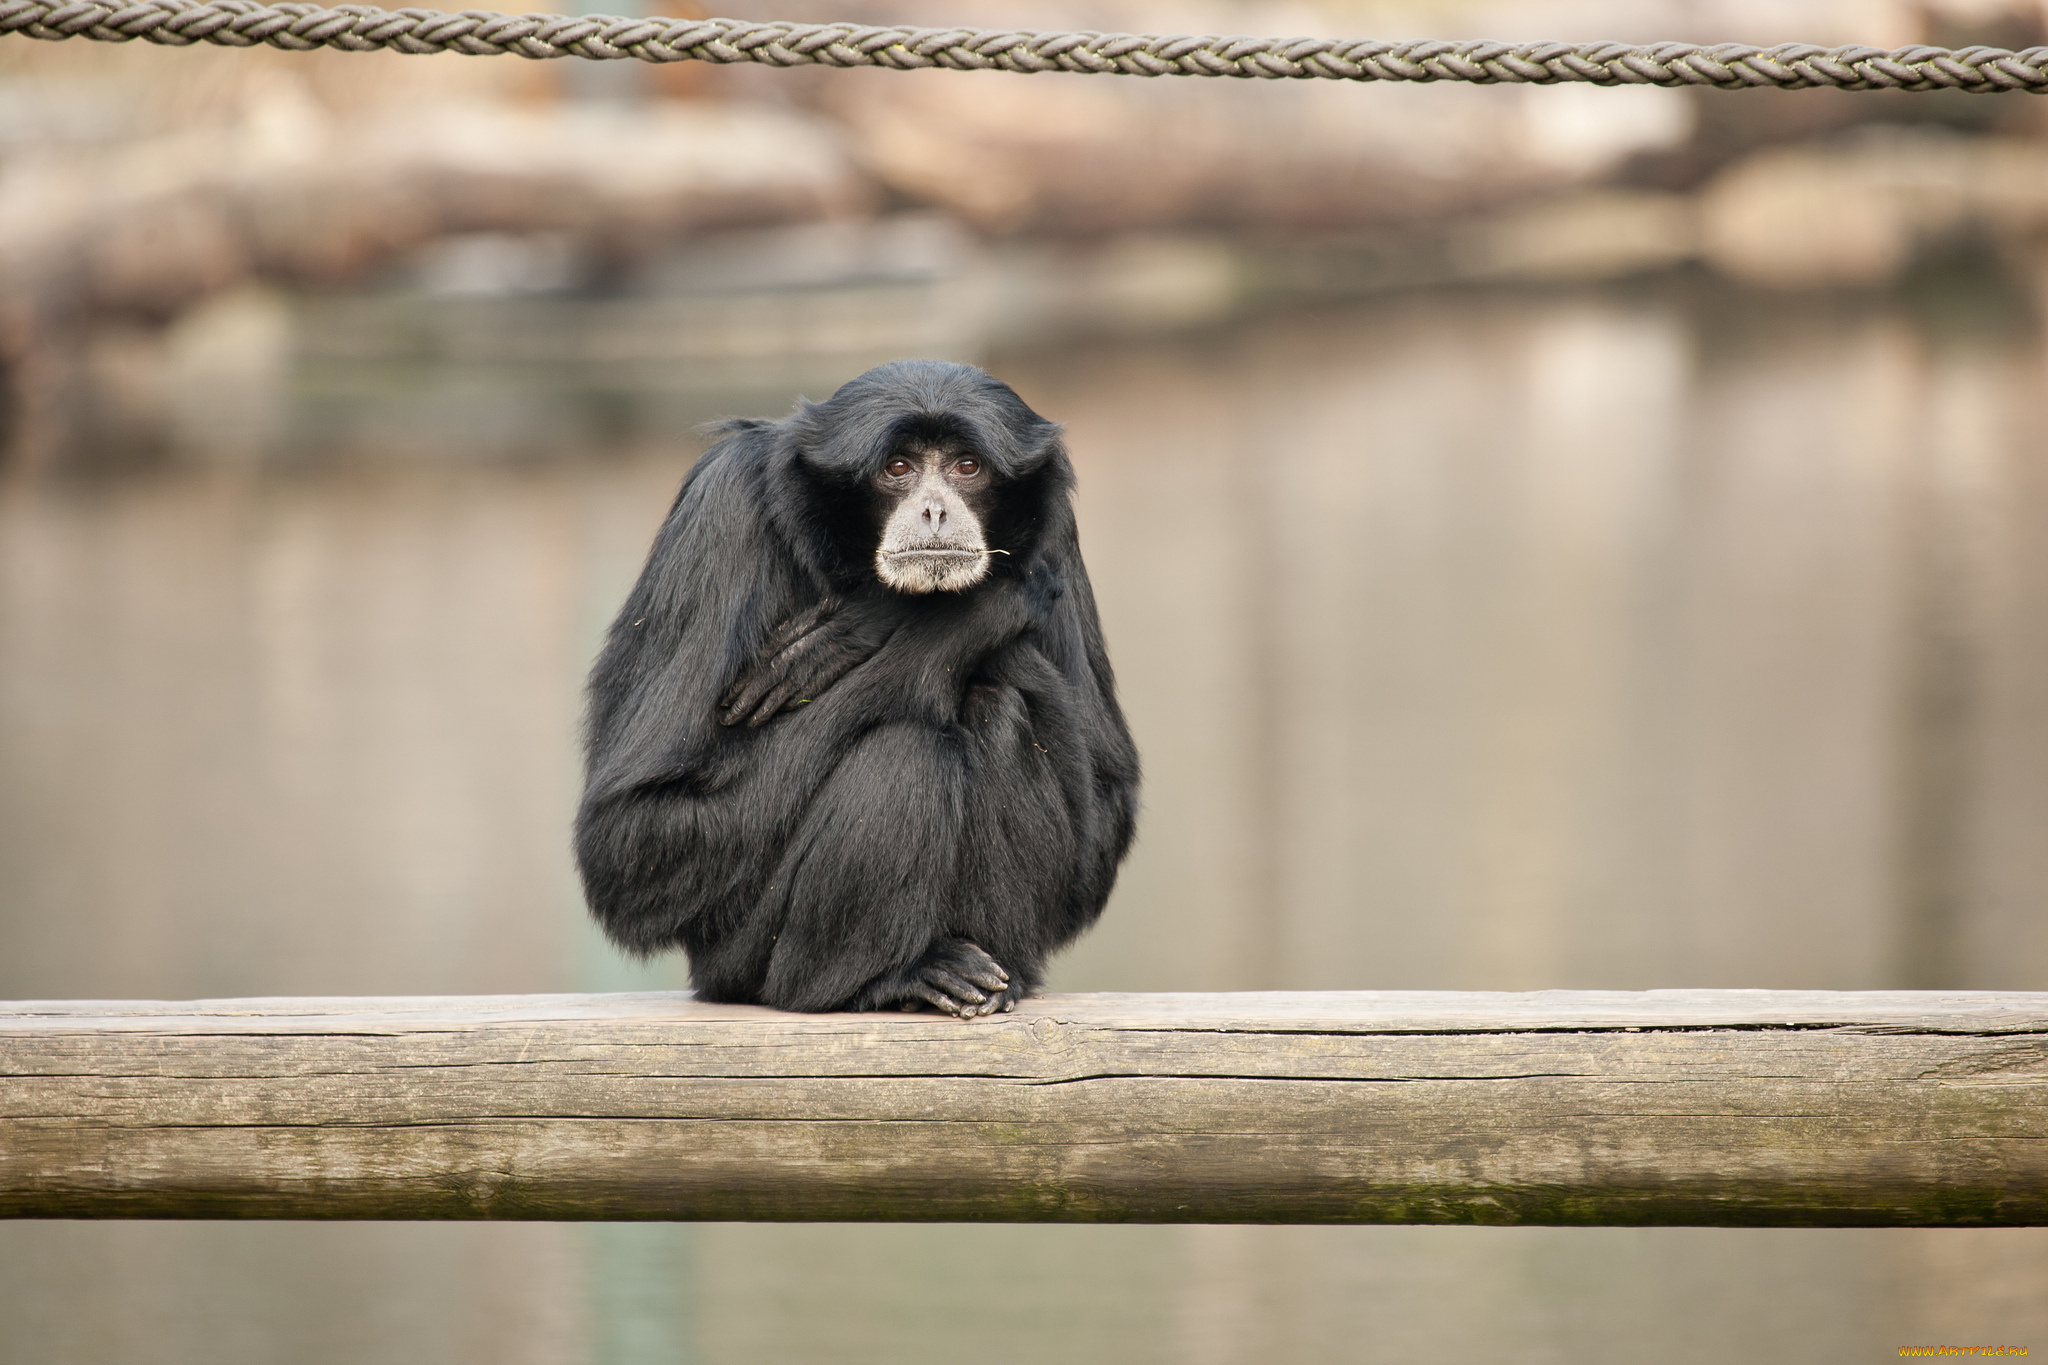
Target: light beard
936, 568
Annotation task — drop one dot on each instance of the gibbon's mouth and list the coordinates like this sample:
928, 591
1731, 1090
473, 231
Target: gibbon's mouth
933, 568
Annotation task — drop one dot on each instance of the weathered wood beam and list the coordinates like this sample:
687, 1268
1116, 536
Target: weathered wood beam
1672, 1107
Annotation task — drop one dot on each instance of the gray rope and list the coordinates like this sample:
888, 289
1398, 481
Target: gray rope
480, 33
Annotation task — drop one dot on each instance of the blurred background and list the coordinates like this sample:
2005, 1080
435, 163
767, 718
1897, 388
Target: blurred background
1547, 537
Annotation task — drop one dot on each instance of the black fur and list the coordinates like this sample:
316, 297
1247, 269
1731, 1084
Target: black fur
954, 769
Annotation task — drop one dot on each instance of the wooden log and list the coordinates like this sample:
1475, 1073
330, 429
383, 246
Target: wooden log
1665, 1107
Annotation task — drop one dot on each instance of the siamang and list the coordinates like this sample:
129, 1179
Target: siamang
853, 742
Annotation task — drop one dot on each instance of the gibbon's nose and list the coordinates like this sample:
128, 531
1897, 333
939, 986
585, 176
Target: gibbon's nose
935, 515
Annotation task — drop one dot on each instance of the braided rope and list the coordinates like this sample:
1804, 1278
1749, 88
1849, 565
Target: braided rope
481, 33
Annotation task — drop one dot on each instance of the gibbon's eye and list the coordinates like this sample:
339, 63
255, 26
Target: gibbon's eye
897, 467
967, 469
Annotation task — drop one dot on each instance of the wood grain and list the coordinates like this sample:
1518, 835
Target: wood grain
1661, 1107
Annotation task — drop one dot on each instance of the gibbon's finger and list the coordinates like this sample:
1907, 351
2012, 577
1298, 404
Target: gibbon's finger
746, 694
989, 978
774, 703
942, 1003
783, 683
798, 651
819, 668
791, 630
953, 985
763, 678
760, 687
747, 689
807, 620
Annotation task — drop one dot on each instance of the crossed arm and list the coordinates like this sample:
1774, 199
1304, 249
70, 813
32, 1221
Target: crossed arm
940, 642
806, 654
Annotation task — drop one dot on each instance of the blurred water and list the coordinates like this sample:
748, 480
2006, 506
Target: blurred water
1472, 641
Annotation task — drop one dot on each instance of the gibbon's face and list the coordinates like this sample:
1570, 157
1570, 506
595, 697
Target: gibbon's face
935, 499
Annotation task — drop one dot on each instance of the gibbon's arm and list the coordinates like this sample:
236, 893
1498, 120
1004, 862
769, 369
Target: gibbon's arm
716, 582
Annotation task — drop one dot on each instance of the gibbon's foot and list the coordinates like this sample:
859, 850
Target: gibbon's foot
998, 1002
956, 977
1005, 1000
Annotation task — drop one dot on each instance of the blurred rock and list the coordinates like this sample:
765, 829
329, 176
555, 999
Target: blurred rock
1083, 156
498, 264
111, 241
1857, 212
1087, 156
901, 284
1586, 130
1155, 283
227, 364
1043, 293
906, 248
292, 194
1596, 235
37, 113
123, 367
